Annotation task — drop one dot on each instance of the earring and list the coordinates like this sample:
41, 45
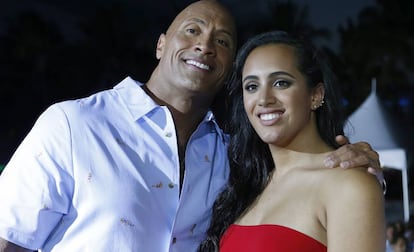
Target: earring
316, 106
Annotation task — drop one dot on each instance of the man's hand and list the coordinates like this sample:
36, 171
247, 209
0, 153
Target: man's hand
355, 155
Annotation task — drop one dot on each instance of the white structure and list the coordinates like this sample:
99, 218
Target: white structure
370, 123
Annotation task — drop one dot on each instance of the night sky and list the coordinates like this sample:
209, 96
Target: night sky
322, 13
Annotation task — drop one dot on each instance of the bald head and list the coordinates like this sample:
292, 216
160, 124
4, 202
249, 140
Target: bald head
197, 51
210, 8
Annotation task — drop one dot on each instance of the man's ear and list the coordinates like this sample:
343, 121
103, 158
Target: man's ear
160, 46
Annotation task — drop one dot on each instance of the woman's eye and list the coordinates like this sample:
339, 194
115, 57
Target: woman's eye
250, 87
281, 83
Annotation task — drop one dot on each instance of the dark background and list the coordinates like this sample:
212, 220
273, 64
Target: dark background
52, 50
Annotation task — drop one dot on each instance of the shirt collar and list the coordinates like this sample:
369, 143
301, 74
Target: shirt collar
209, 118
139, 103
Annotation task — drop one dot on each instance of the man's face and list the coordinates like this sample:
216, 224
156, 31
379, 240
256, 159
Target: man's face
198, 49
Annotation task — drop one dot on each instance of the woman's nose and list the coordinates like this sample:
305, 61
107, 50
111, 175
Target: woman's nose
266, 97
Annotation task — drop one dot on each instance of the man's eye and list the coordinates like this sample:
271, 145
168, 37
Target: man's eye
223, 42
191, 30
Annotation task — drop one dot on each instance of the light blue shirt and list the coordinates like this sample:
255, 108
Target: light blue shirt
102, 174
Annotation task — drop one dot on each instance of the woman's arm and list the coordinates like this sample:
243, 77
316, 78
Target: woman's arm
355, 213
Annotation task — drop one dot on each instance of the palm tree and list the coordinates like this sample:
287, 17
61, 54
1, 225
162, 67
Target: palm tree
380, 44
288, 16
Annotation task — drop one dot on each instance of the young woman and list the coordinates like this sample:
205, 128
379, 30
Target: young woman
285, 116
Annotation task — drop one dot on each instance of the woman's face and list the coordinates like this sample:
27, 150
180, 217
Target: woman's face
276, 98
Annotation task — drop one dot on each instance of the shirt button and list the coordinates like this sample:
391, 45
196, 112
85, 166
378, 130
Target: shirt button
174, 240
168, 134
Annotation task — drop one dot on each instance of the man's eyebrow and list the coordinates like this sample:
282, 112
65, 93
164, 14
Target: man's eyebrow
197, 20
201, 21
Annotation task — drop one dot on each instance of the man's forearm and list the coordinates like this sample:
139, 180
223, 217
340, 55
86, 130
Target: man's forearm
6, 246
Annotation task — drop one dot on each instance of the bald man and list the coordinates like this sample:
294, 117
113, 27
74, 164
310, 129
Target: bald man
136, 167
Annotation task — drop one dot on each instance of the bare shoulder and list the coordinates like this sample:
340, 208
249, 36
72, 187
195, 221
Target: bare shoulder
354, 207
355, 183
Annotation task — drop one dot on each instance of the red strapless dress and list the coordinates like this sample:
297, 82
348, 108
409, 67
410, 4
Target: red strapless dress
266, 238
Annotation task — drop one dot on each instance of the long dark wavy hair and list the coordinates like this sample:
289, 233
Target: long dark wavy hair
251, 163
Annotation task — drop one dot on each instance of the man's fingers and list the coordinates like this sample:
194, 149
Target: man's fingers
357, 161
373, 171
351, 155
359, 154
342, 154
341, 140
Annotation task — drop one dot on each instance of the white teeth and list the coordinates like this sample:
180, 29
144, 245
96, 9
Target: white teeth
198, 64
267, 117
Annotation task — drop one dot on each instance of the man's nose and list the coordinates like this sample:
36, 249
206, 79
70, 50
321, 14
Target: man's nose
205, 45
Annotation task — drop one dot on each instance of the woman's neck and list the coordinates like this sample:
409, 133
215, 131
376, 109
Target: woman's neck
311, 157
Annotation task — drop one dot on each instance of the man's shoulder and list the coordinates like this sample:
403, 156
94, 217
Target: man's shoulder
100, 99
